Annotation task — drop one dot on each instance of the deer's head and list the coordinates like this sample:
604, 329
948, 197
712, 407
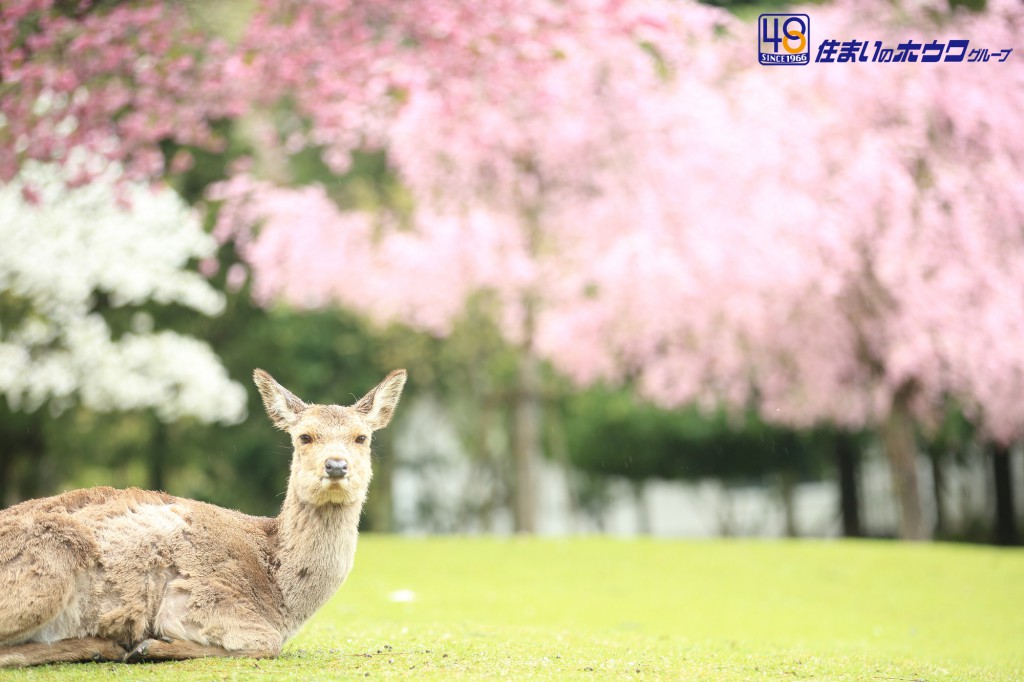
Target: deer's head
331, 459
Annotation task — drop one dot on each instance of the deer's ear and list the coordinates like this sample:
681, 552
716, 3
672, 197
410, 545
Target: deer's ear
378, 406
283, 407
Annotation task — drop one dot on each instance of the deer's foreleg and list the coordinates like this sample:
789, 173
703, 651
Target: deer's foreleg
180, 649
62, 651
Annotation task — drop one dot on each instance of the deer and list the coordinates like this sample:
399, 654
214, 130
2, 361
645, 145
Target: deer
105, 574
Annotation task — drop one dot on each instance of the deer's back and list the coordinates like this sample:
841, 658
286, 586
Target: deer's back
147, 563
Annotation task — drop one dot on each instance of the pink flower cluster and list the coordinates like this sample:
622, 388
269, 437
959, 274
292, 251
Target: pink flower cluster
113, 82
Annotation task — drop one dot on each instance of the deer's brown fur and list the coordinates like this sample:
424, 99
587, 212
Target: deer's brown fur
106, 574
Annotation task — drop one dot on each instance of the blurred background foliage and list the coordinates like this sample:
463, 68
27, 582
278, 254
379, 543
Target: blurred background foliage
600, 434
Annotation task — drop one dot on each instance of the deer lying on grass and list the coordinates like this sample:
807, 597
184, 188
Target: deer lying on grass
129, 575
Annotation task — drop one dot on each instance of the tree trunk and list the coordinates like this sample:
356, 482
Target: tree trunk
559, 452
643, 513
21, 448
787, 491
39, 475
1006, 519
526, 441
6, 482
527, 435
158, 449
848, 465
488, 463
901, 449
938, 490
727, 526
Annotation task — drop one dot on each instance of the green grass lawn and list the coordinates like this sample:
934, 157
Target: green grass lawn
601, 609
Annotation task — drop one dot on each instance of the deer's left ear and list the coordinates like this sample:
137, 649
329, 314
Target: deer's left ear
378, 405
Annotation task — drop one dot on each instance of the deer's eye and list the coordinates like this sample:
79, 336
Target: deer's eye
360, 439
305, 439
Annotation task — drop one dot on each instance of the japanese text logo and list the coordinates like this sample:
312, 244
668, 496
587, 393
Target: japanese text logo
785, 40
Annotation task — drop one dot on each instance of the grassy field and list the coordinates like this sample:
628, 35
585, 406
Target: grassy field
445, 608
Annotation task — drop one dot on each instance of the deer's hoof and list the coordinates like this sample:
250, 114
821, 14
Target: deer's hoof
139, 653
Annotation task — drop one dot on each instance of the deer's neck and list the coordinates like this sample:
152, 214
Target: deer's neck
316, 547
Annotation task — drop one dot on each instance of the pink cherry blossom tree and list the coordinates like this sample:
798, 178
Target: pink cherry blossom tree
854, 254
112, 81
927, 252
507, 122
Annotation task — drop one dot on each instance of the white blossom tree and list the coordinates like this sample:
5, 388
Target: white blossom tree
66, 249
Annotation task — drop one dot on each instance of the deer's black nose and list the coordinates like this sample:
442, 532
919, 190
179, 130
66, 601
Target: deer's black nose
337, 468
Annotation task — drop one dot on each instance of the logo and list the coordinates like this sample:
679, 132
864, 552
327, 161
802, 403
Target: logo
784, 39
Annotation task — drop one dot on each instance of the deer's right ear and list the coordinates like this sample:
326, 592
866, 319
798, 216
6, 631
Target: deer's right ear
283, 407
